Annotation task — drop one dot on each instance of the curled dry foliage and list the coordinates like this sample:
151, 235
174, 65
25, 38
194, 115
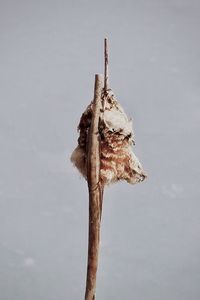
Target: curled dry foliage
118, 162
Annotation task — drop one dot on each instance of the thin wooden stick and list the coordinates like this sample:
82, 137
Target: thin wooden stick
95, 192
105, 64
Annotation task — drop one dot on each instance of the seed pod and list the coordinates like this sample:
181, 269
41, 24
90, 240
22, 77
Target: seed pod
118, 162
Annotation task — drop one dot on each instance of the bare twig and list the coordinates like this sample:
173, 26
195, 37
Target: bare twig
105, 64
95, 192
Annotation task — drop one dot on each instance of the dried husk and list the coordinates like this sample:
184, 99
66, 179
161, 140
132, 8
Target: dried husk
118, 162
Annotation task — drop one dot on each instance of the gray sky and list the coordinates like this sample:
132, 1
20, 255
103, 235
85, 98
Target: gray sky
150, 242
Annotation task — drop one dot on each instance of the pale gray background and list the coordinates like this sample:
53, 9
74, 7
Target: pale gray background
49, 53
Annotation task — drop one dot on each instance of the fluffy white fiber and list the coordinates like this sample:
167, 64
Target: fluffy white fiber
118, 162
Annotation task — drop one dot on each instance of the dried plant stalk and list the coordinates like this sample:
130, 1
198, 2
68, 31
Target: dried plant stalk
105, 64
95, 191
104, 155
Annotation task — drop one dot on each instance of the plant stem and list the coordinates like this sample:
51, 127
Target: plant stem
95, 192
105, 64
